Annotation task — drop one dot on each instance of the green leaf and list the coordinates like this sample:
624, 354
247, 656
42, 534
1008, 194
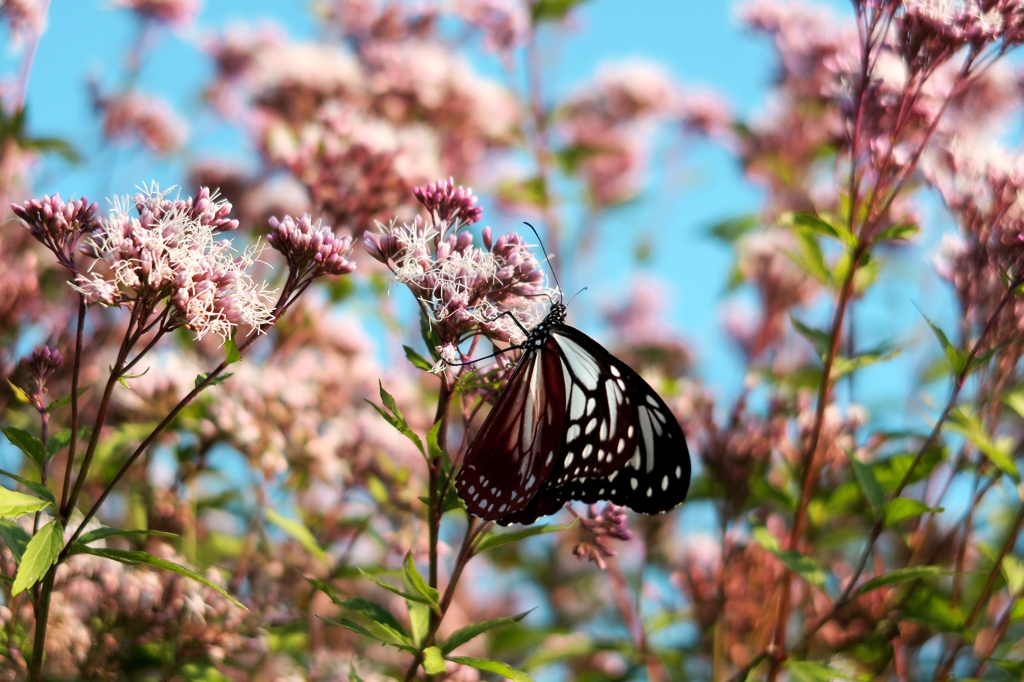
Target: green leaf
819, 226
391, 588
414, 582
433, 661
41, 553
57, 442
1015, 400
419, 621
19, 393
890, 471
486, 664
902, 231
820, 339
869, 485
934, 610
102, 533
397, 419
498, 539
905, 508
956, 359
27, 443
298, 532
841, 366
900, 575
801, 564
231, 352
217, 381
552, 10
809, 671
464, 634
963, 421
359, 629
810, 258
531, 191
732, 229
417, 360
1013, 573
379, 615
15, 537
38, 488
64, 401
434, 450
132, 558
14, 505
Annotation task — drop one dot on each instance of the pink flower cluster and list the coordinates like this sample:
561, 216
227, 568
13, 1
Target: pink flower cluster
312, 250
132, 117
58, 225
597, 529
463, 289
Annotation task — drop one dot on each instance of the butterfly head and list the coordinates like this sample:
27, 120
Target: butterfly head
556, 315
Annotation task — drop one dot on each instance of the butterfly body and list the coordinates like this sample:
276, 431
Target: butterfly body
573, 422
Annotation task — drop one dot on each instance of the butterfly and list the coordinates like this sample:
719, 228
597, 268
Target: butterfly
573, 423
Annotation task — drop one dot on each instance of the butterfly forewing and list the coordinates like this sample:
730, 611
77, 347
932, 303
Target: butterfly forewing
600, 435
513, 454
656, 475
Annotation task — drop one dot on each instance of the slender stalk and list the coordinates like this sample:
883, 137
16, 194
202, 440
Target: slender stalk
42, 616
76, 375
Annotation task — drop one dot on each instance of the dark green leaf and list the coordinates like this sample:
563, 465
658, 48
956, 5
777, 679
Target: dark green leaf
464, 634
38, 488
732, 229
132, 558
27, 443
552, 10
841, 366
801, 564
409, 596
901, 231
934, 610
498, 539
905, 508
433, 448
900, 575
869, 485
486, 664
40, 553
890, 471
819, 226
297, 531
66, 400
809, 671
417, 360
821, 340
378, 614
57, 442
414, 582
433, 661
956, 359
359, 629
397, 419
217, 381
102, 533
53, 145
15, 537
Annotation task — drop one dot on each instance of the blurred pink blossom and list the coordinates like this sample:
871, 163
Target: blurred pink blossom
172, 12
136, 118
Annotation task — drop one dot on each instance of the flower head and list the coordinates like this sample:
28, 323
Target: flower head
595, 531
169, 253
40, 366
449, 202
172, 12
59, 225
311, 249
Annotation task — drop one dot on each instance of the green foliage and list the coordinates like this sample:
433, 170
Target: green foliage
27, 443
869, 485
40, 553
14, 505
98, 534
38, 488
801, 564
493, 539
900, 575
298, 532
465, 634
417, 360
392, 415
433, 661
487, 665
15, 537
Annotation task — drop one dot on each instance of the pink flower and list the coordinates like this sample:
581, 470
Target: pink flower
505, 23
597, 529
312, 250
58, 225
133, 117
171, 12
448, 202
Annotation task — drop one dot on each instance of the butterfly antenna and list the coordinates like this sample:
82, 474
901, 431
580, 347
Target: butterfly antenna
574, 296
547, 258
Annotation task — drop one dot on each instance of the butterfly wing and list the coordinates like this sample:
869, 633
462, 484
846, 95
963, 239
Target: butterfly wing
514, 452
654, 475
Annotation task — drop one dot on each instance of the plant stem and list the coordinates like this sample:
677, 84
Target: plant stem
42, 615
76, 374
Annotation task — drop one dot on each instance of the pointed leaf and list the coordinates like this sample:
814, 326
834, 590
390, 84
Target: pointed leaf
417, 360
14, 504
487, 665
19, 393
27, 443
901, 231
217, 381
1013, 572
41, 553
433, 661
231, 352
842, 366
359, 629
15, 537
419, 621
900, 575
821, 340
98, 534
869, 485
64, 401
905, 508
297, 531
963, 421
57, 442
378, 614
956, 359
391, 588
433, 449
732, 229
38, 488
464, 634
801, 564
132, 558
498, 539
415, 582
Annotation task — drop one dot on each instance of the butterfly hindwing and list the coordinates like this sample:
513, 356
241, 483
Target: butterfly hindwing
656, 476
514, 452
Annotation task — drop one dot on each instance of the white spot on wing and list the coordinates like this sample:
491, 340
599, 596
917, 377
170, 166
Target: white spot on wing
578, 402
648, 434
587, 450
582, 365
591, 404
572, 433
613, 402
590, 425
